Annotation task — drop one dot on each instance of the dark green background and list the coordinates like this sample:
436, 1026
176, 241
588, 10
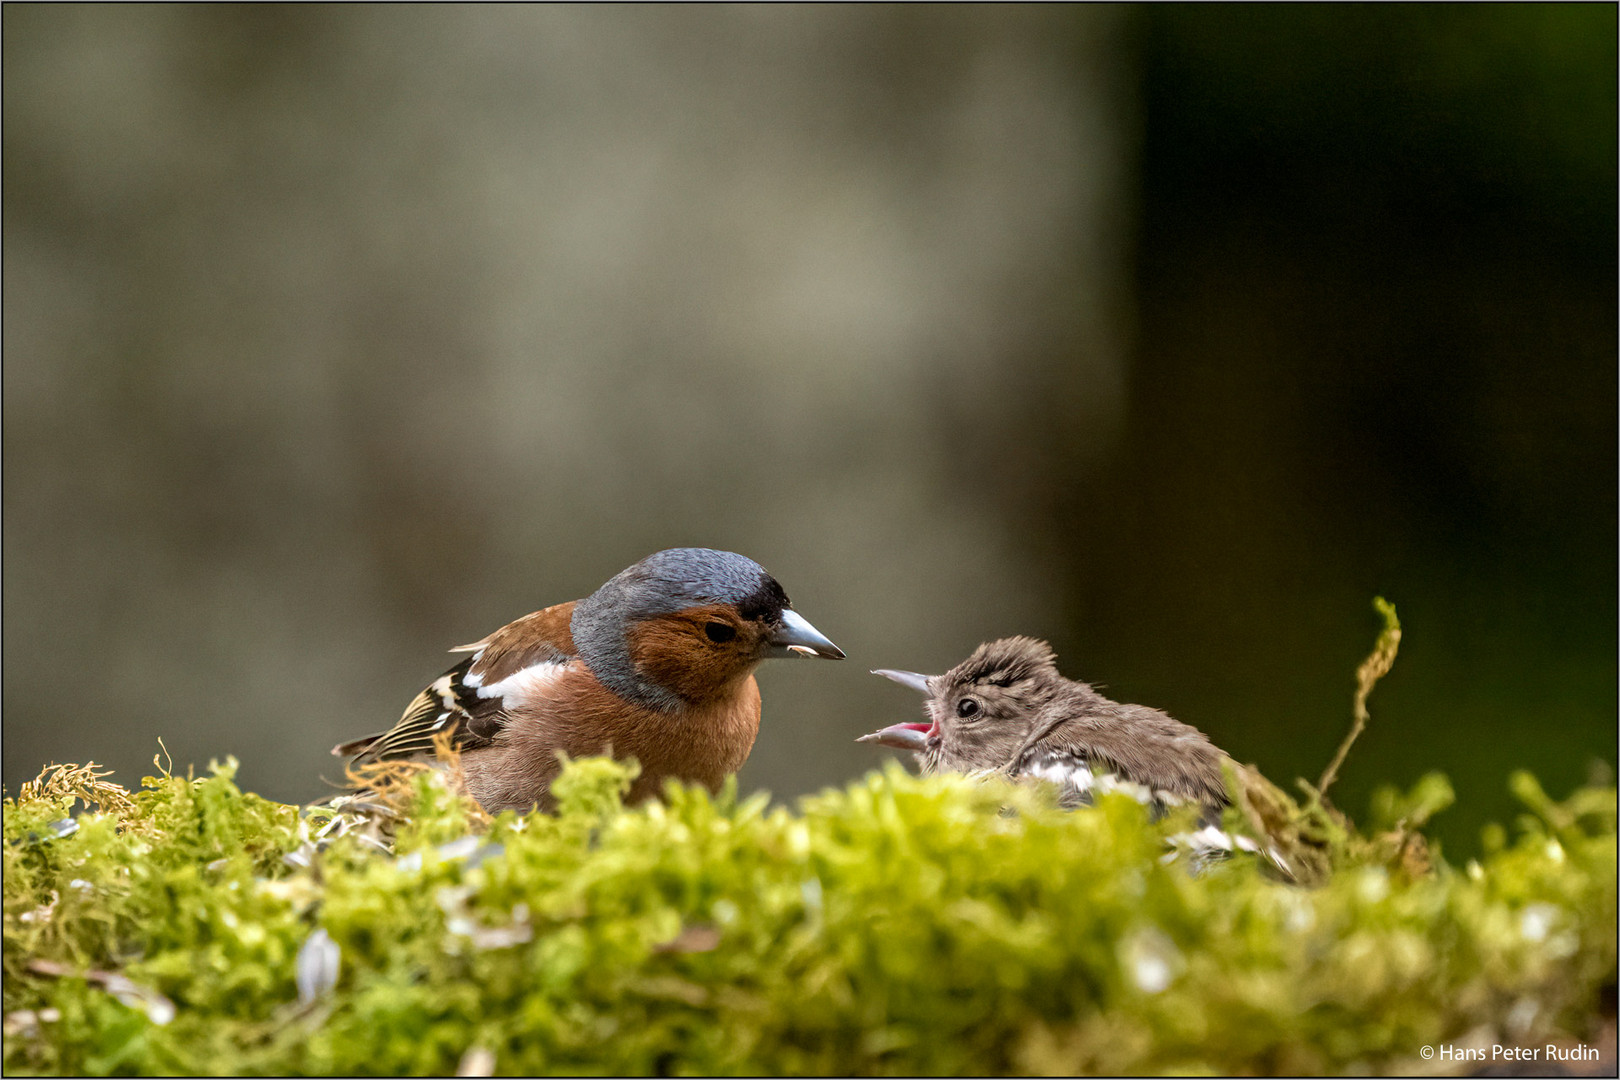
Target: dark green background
1376, 356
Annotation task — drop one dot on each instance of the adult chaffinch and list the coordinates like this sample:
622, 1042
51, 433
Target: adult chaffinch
1006, 708
657, 665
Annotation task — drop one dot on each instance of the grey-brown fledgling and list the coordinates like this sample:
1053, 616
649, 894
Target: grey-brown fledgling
1007, 708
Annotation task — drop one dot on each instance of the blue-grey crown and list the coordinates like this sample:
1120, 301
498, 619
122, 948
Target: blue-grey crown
685, 577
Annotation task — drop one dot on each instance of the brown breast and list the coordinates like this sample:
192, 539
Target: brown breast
580, 717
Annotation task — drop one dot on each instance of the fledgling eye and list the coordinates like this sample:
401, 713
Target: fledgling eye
967, 707
718, 632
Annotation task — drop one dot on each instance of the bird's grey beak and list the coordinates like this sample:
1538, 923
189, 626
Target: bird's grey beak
917, 682
900, 736
794, 636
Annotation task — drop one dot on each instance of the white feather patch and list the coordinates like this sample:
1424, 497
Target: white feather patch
523, 686
444, 686
1075, 774
472, 678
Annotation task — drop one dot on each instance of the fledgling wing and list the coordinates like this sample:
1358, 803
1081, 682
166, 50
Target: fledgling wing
1139, 744
1079, 778
473, 699
1079, 781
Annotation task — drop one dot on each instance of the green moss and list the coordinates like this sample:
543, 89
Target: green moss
898, 926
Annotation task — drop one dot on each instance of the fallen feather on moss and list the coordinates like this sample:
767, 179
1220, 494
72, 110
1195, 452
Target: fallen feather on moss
897, 926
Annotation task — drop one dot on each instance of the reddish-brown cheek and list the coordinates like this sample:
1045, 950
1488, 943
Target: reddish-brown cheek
673, 653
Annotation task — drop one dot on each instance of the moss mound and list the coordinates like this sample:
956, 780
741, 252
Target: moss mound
899, 926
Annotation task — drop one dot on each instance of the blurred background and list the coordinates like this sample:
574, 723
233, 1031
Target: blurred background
338, 335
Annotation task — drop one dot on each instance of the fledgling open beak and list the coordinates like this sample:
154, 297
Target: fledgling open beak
900, 736
917, 682
794, 636
909, 736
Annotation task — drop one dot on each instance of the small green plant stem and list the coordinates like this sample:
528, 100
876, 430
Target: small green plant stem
1375, 667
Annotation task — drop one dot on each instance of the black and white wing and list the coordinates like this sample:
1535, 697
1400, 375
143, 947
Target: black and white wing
510, 668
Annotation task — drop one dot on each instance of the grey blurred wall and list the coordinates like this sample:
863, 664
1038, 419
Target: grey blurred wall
335, 336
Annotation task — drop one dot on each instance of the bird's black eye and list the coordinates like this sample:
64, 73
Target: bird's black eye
967, 707
719, 631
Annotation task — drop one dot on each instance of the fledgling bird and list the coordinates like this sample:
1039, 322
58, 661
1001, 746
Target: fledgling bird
1006, 708
657, 665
